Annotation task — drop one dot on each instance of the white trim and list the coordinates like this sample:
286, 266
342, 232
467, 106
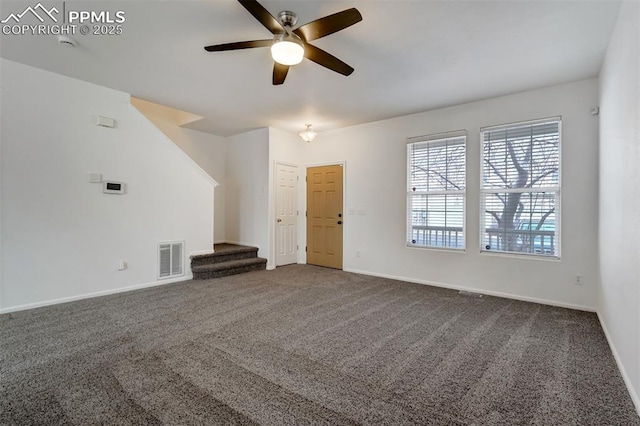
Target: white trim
271, 267
559, 209
91, 295
477, 290
516, 255
635, 398
521, 124
329, 163
286, 163
438, 136
437, 248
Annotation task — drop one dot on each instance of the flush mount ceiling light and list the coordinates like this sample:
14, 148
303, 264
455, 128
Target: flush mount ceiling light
308, 135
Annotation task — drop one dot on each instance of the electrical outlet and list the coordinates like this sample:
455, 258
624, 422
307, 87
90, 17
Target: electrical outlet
122, 265
578, 280
357, 253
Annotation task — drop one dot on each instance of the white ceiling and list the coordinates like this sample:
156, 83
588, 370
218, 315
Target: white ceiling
409, 56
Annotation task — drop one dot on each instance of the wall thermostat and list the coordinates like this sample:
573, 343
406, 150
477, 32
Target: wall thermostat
111, 187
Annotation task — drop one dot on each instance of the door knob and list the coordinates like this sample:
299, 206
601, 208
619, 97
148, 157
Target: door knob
339, 222
279, 220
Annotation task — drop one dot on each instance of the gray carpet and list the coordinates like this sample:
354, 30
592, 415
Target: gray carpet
307, 345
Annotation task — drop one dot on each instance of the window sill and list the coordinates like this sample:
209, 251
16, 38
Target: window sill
443, 249
521, 256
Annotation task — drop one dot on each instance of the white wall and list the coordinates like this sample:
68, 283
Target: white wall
251, 192
61, 236
619, 240
207, 150
375, 180
247, 181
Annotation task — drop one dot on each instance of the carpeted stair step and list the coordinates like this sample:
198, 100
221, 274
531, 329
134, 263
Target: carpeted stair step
230, 267
224, 253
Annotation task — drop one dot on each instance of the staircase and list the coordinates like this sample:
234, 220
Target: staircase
227, 259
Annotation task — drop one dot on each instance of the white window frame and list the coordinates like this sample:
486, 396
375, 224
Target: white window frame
557, 190
409, 228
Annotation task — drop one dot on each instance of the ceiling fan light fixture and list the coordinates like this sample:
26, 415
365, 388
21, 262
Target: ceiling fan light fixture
308, 135
287, 50
290, 46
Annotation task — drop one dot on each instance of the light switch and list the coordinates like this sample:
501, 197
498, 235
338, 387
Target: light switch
105, 122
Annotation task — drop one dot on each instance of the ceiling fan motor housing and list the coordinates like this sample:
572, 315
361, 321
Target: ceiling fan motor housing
287, 18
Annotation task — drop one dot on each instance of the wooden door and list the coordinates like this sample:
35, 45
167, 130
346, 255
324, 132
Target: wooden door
286, 214
324, 216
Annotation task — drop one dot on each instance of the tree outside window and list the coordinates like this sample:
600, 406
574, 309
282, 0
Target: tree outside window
521, 188
436, 182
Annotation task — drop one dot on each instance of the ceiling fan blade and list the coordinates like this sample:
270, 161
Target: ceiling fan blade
327, 60
239, 45
279, 73
262, 15
329, 24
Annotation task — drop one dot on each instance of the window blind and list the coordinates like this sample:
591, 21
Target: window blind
520, 191
436, 179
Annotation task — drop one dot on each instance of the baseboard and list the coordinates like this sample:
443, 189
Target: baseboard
477, 290
270, 267
90, 295
623, 372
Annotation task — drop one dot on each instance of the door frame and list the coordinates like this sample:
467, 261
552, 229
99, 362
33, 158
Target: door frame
345, 223
274, 226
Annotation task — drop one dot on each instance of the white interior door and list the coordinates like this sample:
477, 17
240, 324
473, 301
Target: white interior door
286, 214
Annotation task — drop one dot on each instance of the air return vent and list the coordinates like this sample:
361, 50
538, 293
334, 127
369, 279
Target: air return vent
469, 293
170, 259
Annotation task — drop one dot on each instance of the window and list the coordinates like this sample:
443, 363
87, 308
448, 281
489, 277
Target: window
436, 169
520, 192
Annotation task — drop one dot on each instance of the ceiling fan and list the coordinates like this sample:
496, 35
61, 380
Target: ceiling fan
289, 46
